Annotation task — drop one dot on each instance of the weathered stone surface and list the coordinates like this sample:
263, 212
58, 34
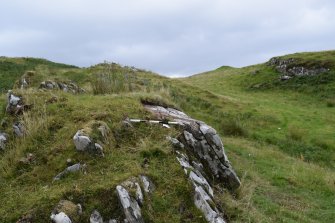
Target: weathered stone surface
203, 192
285, 67
3, 140
96, 217
203, 201
133, 185
131, 208
175, 142
19, 129
71, 169
61, 85
84, 143
203, 141
84, 140
148, 185
211, 154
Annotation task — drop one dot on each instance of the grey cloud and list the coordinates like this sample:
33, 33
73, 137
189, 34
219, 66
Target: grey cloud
169, 36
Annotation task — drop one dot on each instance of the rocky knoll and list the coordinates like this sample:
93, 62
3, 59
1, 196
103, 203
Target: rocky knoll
201, 154
288, 70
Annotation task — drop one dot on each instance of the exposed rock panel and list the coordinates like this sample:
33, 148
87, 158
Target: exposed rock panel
288, 70
204, 143
61, 85
131, 197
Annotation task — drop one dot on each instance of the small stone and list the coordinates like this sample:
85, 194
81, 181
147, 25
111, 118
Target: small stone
60, 218
3, 140
96, 217
19, 129
71, 169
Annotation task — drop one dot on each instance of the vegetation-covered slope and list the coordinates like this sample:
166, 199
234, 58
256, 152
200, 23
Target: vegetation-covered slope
293, 119
280, 141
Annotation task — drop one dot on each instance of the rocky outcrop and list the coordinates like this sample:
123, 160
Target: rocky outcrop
15, 104
203, 192
130, 206
288, 70
131, 197
61, 85
3, 140
201, 154
203, 142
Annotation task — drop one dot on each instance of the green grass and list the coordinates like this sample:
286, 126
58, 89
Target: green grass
279, 136
287, 157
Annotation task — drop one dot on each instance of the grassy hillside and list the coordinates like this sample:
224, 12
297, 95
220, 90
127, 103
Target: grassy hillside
279, 140
292, 119
11, 69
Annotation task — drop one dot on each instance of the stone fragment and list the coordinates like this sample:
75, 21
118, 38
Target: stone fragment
19, 129
175, 142
202, 201
131, 208
3, 140
60, 218
148, 185
96, 217
71, 169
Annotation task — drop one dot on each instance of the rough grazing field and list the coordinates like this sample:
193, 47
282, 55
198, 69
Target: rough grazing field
278, 135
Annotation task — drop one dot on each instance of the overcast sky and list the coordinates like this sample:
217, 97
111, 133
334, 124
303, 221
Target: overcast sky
171, 37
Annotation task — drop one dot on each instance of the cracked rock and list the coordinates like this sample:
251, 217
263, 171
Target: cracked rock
131, 208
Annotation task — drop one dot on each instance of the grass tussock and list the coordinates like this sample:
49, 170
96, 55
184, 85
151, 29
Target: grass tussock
234, 127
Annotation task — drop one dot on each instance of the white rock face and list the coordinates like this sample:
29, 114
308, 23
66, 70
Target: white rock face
96, 217
60, 218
